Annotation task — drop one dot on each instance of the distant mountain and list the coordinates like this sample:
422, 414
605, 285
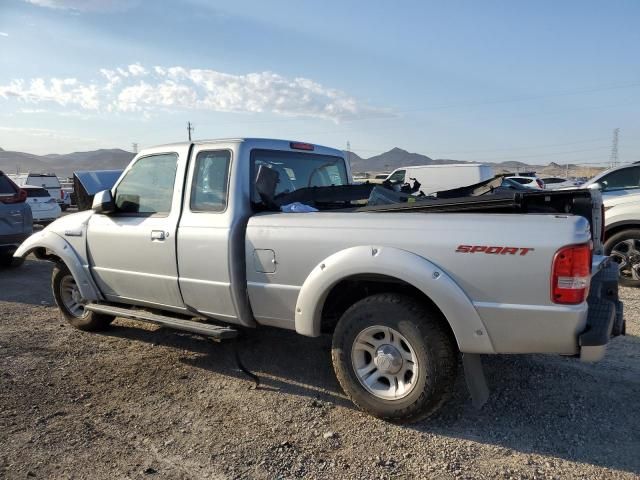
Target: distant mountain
64, 165
397, 157
394, 158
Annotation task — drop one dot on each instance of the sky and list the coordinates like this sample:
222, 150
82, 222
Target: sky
471, 80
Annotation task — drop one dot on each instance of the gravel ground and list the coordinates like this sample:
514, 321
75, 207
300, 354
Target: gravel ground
142, 402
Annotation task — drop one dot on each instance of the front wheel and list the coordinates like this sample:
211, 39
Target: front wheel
394, 357
624, 249
69, 300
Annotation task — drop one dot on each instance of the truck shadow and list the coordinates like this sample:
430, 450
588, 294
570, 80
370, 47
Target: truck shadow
539, 404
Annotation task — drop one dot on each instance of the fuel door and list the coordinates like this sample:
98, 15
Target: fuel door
264, 260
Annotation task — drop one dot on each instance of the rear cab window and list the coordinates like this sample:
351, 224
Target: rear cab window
298, 170
210, 181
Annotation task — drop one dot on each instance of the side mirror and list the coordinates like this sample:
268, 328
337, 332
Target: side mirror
103, 202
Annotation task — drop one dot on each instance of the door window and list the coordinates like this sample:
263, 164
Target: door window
147, 188
551, 181
210, 179
397, 176
621, 179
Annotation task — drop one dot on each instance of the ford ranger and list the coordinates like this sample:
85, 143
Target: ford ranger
195, 236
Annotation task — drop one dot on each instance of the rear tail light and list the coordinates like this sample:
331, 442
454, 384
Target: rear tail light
61, 194
19, 197
540, 183
571, 274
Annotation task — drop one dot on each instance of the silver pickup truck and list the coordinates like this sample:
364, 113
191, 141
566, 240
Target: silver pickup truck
195, 236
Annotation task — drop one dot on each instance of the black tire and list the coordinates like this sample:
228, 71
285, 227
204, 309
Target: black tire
84, 320
431, 343
615, 247
9, 261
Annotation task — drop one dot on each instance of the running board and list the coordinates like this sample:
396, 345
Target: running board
213, 331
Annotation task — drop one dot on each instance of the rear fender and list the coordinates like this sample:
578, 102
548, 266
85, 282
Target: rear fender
469, 330
60, 248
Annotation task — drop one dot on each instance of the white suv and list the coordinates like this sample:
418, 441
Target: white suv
622, 223
45, 180
529, 182
618, 181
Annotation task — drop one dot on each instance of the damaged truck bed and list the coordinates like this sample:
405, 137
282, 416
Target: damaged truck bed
491, 196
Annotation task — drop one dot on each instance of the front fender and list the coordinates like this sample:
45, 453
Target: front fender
469, 330
61, 248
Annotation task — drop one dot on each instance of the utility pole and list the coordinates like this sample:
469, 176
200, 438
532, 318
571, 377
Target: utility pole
349, 155
189, 129
613, 159
134, 147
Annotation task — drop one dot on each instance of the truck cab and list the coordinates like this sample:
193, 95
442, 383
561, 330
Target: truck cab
134, 243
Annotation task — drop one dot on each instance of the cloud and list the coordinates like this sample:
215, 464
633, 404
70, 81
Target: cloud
135, 88
4, 34
99, 6
67, 91
137, 70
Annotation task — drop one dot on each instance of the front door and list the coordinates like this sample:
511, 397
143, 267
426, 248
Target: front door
132, 251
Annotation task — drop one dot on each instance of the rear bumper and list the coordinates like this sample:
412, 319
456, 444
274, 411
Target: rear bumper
605, 318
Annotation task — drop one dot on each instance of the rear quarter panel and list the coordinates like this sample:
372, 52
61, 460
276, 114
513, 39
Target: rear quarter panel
511, 292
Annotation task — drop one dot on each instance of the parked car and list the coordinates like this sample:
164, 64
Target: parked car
530, 182
433, 178
195, 233
44, 180
44, 209
15, 220
554, 183
622, 233
69, 194
617, 181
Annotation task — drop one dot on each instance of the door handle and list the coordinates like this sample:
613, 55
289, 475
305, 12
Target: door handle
157, 235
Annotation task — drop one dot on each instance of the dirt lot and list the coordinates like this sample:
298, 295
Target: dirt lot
141, 402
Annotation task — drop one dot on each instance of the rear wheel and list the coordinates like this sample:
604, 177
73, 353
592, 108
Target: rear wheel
624, 249
394, 357
71, 304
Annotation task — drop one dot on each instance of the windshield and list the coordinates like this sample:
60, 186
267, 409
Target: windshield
299, 170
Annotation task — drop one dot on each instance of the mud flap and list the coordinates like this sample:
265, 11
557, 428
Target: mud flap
474, 377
